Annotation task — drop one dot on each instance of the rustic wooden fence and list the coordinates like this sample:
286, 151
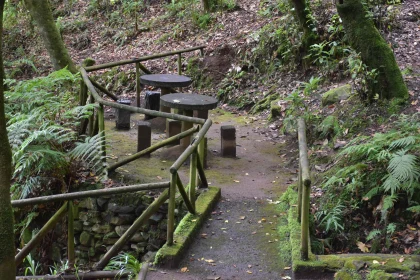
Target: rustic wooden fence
304, 189
195, 151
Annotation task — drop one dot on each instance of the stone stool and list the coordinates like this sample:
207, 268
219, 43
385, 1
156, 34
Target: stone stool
144, 136
122, 120
228, 140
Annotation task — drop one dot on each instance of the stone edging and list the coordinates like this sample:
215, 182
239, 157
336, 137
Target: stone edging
169, 256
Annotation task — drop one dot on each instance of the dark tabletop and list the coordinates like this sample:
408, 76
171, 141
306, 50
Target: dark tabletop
165, 80
186, 101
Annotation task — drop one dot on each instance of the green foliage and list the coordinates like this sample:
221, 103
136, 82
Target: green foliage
362, 77
383, 169
329, 127
202, 20
277, 45
125, 263
299, 101
33, 266
42, 116
331, 219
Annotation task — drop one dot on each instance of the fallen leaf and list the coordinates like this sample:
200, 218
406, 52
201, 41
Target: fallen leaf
362, 246
236, 181
184, 269
213, 277
209, 261
287, 268
249, 272
242, 217
286, 277
375, 262
401, 259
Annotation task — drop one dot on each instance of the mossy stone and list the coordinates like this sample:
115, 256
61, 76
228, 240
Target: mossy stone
335, 95
380, 275
275, 110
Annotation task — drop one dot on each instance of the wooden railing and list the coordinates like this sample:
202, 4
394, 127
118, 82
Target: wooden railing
304, 189
140, 66
195, 151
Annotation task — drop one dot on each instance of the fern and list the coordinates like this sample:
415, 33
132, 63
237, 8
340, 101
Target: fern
373, 234
404, 167
90, 152
415, 209
403, 142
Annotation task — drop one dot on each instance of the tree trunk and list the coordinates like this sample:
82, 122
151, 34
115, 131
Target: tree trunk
303, 15
374, 50
41, 13
7, 250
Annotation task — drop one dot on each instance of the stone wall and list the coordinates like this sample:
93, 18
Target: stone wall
99, 222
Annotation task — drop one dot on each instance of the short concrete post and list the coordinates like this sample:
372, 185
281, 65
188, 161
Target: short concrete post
122, 120
228, 140
173, 127
144, 136
152, 102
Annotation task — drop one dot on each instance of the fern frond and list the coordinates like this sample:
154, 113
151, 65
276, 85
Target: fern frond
403, 142
373, 234
404, 167
415, 209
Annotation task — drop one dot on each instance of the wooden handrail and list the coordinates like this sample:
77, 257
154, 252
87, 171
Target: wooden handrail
85, 194
98, 99
305, 185
140, 59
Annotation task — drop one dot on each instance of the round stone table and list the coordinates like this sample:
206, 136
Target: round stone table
165, 82
189, 103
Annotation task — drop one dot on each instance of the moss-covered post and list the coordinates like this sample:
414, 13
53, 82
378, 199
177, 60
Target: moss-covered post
306, 189
70, 233
374, 50
7, 250
101, 126
193, 177
299, 202
41, 13
171, 210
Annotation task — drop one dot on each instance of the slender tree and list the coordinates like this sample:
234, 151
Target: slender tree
374, 50
7, 251
41, 13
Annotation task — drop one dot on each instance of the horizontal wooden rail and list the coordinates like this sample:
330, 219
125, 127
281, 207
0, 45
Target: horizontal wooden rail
117, 274
98, 99
84, 194
140, 59
153, 148
191, 148
41, 234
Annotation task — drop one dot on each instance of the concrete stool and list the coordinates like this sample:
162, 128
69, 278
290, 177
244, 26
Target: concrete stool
122, 120
173, 127
152, 102
144, 136
228, 140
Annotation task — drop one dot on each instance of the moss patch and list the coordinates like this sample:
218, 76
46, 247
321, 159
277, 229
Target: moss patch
168, 256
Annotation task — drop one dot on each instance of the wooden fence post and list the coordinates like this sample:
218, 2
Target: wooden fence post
138, 86
303, 156
171, 210
70, 234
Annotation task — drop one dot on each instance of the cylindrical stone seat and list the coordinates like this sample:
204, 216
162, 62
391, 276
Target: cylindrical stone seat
122, 120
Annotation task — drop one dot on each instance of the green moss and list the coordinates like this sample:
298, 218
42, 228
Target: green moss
379, 275
189, 225
374, 50
336, 94
275, 110
264, 103
346, 274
